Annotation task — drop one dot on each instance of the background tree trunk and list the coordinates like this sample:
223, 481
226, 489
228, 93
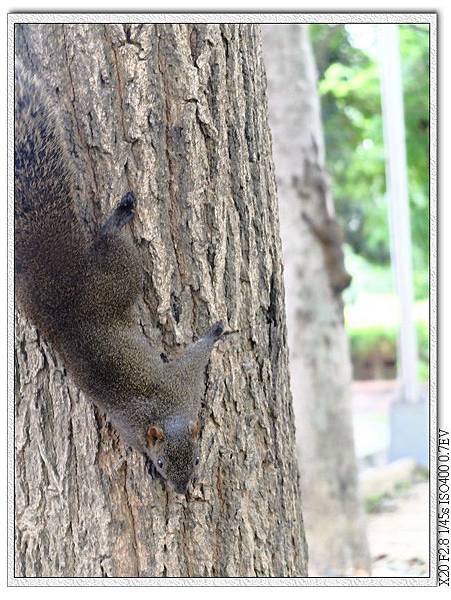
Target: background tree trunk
319, 356
176, 113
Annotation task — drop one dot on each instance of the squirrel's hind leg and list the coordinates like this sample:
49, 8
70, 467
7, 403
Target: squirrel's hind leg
121, 215
114, 276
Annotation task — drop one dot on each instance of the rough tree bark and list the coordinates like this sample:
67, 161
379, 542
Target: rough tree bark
319, 356
178, 114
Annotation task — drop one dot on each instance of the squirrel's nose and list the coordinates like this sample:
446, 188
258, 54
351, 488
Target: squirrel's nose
181, 488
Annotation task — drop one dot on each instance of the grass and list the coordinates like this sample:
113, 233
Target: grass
381, 340
372, 316
374, 503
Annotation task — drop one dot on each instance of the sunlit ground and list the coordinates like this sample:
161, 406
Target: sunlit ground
396, 495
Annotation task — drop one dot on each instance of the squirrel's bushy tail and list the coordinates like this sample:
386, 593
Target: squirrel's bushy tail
43, 181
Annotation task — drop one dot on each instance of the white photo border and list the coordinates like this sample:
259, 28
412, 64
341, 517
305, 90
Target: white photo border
430, 18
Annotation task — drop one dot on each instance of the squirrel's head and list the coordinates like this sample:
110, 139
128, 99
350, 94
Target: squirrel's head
172, 442
173, 449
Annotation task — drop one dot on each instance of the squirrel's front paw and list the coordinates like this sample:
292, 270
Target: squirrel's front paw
217, 330
125, 210
151, 468
127, 203
121, 215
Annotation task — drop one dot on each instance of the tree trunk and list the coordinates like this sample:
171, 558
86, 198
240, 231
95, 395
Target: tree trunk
176, 113
319, 356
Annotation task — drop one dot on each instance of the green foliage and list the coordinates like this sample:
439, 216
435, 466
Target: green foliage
372, 320
380, 340
374, 504
371, 278
378, 501
402, 486
351, 107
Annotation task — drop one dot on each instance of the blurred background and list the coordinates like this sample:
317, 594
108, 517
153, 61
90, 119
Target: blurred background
396, 495
349, 113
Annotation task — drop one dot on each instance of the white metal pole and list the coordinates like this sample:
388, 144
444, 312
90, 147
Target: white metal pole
398, 199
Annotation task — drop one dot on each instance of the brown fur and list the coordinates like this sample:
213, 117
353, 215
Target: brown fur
330, 236
79, 290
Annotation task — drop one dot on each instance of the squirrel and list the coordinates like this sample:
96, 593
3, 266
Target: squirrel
330, 236
79, 288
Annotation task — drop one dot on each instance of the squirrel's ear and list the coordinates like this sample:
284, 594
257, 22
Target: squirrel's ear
194, 428
153, 434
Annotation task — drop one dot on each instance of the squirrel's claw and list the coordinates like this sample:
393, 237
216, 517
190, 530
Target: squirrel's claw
216, 331
151, 468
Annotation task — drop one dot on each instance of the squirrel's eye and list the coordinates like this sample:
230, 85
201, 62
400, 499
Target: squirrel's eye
197, 461
160, 463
